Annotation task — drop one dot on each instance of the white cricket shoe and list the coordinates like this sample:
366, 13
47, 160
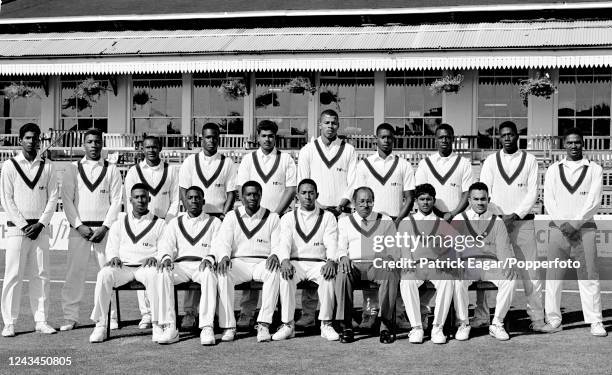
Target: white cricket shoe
98, 334
329, 333
170, 335
416, 335
228, 334
286, 331
263, 333
158, 332
207, 336
43, 327
68, 325
597, 329
8, 331
463, 332
145, 322
437, 335
498, 331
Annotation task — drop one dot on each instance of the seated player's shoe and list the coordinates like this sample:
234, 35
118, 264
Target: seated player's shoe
437, 335
68, 325
386, 337
598, 329
306, 321
8, 331
43, 327
328, 332
347, 336
245, 322
170, 335
263, 333
114, 324
537, 325
552, 327
228, 334
145, 322
498, 331
285, 331
188, 322
207, 336
98, 334
480, 323
463, 332
416, 335
402, 322
158, 332
368, 322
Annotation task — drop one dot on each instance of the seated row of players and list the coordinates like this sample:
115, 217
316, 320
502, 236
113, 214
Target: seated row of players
91, 195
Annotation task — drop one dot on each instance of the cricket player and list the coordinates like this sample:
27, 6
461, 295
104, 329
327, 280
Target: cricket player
427, 224
91, 196
512, 178
132, 250
357, 255
28, 193
572, 195
215, 174
493, 247
162, 181
332, 163
309, 240
184, 254
276, 172
247, 249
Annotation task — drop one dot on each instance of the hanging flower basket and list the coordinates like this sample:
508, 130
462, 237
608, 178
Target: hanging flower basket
270, 98
79, 104
448, 83
327, 97
300, 85
90, 90
542, 87
233, 89
141, 97
18, 90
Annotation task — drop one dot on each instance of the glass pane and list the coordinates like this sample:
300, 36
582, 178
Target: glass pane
601, 100
208, 100
430, 125
585, 125
565, 124
486, 131
584, 96
71, 106
228, 125
567, 96
157, 98
11, 126
162, 125
601, 126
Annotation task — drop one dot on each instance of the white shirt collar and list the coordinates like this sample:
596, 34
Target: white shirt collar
209, 158
420, 216
373, 215
84, 160
148, 216
436, 156
258, 214
307, 214
203, 217
474, 216
376, 156
509, 156
578, 163
144, 165
261, 155
20, 158
335, 142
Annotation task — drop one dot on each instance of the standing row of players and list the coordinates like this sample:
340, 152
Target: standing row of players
92, 190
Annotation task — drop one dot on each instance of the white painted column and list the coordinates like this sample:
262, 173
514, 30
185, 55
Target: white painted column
541, 113
249, 108
119, 106
313, 109
379, 98
186, 103
50, 106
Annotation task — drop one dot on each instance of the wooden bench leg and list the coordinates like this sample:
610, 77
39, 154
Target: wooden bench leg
176, 316
108, 318
118, 310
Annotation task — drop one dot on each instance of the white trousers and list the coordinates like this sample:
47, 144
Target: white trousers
306, 271
244, 270
584, 251
505, 294
183, 272
110, 277
409, 289
29, 259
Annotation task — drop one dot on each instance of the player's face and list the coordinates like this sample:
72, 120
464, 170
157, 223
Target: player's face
444, 140
151, 149
139, 199
508, 138
267, 140
93, 146
195, 202
425, 203
573, 146
384, 140
364, 203
329, 126
251, 197
479, 201
210, 141
307, 195
30, 142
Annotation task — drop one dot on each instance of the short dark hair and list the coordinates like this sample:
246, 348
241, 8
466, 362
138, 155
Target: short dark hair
211, 126
365, 188
29, 127
267, 125
307, 181
385, 126
138, 186
447, 127
251, 183
571, 131
508, 124
152, 138
93, 131
478, 186
424, 189
195, 188
329, 112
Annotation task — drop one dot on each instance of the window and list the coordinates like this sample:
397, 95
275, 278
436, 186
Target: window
351, 94
409, 104
584, 100
499, 101
18, 110
156, 104
211, 105
82, 113
274, 102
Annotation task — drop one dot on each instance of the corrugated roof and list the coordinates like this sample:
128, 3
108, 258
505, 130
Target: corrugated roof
304, 40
